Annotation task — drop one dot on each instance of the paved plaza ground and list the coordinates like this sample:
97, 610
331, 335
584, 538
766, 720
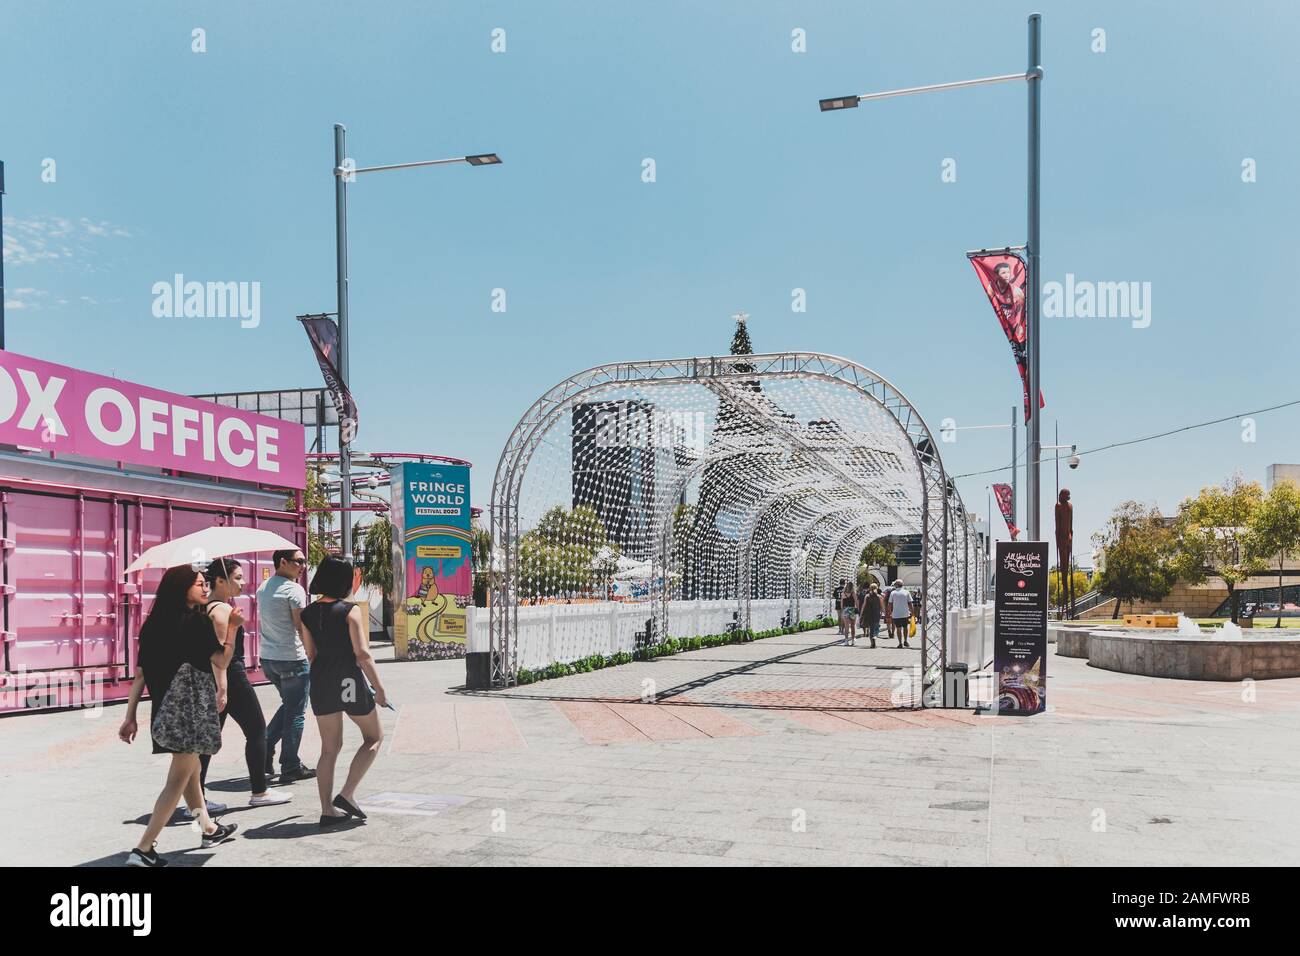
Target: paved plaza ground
783, 751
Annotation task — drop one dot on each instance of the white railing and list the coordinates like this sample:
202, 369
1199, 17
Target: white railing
970, 636
548, 633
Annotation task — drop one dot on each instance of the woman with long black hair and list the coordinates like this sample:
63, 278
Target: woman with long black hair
180, 661
338, 646
225, 578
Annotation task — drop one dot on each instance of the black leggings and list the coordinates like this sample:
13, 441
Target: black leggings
242, 704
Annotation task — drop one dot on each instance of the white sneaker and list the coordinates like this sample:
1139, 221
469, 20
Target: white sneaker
270, 799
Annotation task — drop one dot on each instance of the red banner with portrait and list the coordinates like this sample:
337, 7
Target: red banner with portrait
1003, 494
1003, 277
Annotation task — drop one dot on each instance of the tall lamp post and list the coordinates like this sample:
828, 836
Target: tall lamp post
1033, 75
343, 174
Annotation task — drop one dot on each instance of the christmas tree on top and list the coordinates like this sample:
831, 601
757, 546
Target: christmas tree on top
740, 344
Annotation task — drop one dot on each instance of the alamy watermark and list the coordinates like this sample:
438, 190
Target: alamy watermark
208, 300
46, 690
1084, 299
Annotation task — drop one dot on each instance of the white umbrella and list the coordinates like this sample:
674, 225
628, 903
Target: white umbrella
202, 546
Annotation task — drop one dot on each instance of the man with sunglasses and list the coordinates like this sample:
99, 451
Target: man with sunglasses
280, 601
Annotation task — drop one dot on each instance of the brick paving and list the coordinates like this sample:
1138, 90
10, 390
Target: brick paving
778, 752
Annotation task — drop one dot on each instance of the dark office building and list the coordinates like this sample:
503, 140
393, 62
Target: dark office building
614, 456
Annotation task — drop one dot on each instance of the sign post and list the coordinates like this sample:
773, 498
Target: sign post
1020, 627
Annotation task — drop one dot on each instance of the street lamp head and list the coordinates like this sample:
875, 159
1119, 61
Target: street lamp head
483, 159
839, 103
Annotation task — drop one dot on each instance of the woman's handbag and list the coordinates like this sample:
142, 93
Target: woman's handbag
187, 721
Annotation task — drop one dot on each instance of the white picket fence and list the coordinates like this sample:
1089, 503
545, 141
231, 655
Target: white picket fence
567, 632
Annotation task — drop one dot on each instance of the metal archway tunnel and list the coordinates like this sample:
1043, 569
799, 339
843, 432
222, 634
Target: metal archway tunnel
645, 500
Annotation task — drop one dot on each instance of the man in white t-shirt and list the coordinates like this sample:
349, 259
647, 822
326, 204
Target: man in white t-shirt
900, 612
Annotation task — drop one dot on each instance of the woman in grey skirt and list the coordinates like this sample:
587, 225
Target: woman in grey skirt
181, 662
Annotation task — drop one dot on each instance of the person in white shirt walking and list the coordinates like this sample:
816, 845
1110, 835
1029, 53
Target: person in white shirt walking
280, 601
900, 612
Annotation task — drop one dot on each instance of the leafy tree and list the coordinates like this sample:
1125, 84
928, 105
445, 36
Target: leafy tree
566, 554
1138, 551
320, 520
879, 554
1274, 529
481, 564
1213, 534
1054, 580
376, 558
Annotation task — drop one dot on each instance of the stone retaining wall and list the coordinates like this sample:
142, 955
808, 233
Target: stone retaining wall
1183, 658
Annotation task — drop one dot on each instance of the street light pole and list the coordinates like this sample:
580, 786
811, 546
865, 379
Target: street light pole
1015, 482
1033, 75
1034, 299
341, 259
341, 176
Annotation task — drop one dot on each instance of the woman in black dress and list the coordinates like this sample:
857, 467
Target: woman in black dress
180, 661
338, 647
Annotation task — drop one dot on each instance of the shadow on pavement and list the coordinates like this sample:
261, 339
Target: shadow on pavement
291, 827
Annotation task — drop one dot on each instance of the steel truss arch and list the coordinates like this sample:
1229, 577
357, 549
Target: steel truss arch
801, 447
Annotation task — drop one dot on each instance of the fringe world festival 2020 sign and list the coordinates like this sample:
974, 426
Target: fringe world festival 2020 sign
54, 408
432, 568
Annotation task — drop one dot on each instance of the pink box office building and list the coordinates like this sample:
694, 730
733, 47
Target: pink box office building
71, 520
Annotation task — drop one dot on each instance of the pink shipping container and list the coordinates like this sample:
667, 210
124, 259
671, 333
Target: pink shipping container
71, 619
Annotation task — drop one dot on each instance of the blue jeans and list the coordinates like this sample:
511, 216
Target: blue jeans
293, 680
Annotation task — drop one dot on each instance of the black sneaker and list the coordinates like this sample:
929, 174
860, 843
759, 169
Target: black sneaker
223, 833
300, 773
149, 857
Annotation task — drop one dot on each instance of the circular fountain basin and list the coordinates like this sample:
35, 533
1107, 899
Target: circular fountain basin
1161, 653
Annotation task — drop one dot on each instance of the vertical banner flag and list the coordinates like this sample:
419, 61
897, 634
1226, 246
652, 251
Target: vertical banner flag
1020, 627
1003, 278
324, 335
432, 569
1003, 494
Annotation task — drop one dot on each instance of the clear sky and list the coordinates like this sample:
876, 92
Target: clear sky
217, 165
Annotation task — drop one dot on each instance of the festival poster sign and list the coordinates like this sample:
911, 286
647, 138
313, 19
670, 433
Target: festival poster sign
1020, 627
68, 411
432, 567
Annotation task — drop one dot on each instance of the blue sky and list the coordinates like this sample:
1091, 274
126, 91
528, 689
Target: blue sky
217, 165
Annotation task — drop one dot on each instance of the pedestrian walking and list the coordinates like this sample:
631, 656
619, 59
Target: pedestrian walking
889, 619
851, 613
900, 611
839, 604
180, 662
225, 578
280, 601
338, 644
871, 613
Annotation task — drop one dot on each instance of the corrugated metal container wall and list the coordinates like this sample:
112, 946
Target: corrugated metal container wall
70, 620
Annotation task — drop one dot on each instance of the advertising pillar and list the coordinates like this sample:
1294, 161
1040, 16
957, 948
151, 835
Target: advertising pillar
432, 568
1020, 627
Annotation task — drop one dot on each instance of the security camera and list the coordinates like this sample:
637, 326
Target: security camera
373, 481
1073, 461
